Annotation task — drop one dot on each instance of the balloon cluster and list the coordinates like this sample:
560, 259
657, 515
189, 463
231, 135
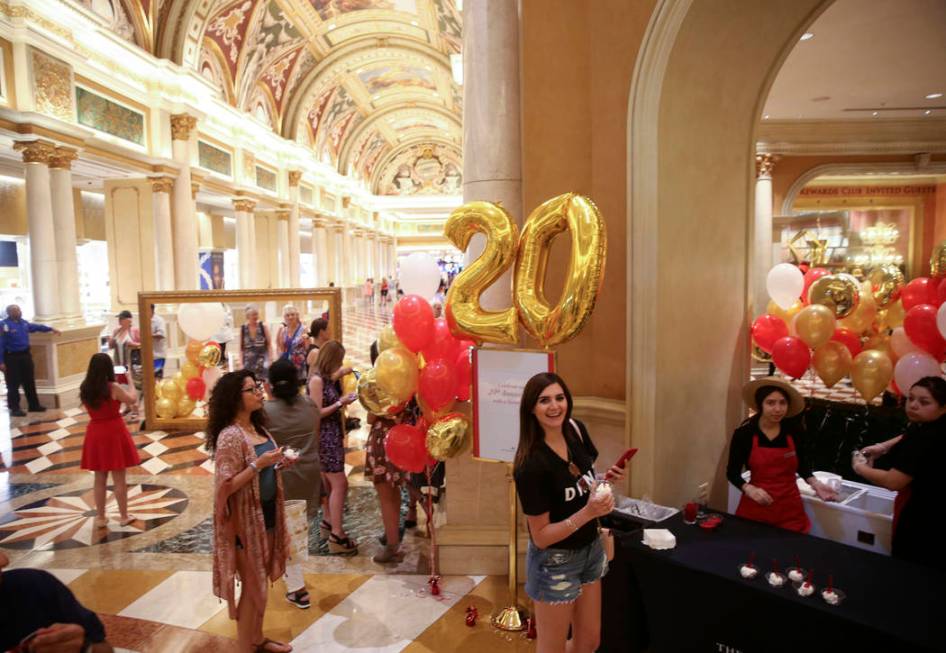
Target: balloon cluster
419, 358
878, 331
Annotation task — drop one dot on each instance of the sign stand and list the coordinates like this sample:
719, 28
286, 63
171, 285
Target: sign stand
512, 617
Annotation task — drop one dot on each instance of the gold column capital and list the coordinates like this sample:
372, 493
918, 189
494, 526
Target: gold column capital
37, 151
63, 157
181, 126
319, 223
765, 164
346, 202
195, 187
282, 214
162, 184
295, 176
244, 205
338, 227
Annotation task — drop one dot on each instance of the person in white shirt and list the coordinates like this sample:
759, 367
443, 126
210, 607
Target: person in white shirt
159, 343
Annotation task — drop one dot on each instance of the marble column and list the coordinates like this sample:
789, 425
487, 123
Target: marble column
492, 168
295, 248
44, 268
324, 271
185, 219
378, 252
64, 219
338, 255
161, 188
283, 239
348, 254
243, 208
762, 232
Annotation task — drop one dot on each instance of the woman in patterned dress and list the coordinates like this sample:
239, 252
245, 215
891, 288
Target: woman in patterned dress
292, 341
254, 343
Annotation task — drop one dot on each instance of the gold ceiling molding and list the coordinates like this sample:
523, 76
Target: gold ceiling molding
35, 151
52, 86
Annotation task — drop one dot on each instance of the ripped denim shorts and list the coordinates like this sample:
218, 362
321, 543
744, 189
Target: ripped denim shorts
556, 575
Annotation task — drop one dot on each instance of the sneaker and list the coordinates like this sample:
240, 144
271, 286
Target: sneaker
299, 598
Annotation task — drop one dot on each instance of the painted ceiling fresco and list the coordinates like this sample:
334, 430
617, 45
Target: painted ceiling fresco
362, 82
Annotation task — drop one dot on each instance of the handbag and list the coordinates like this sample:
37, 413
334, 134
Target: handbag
607, 539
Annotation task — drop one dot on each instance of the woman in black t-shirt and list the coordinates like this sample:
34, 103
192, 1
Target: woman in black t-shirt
555, 480
914, 460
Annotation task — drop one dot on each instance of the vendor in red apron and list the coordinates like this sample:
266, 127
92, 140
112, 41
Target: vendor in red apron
769, 445
914, 462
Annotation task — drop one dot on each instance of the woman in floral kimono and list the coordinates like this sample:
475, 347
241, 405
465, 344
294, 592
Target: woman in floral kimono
250, 537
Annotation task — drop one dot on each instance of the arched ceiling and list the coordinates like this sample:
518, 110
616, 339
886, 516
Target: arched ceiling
361, 82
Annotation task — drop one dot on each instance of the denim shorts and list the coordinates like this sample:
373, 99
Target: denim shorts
556, 575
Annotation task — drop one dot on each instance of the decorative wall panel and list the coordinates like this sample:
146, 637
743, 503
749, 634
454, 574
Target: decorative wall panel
52, 86
103, 115
213, 158
265, 178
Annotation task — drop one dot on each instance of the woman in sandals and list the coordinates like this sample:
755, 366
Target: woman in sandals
250, 536
107, 446
325, 392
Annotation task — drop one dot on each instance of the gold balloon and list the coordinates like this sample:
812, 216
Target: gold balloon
447, 436
892, 316
832, 362
396, 372
465, 316
839, 292
185, 406
190, 370
938, 260
193, 350
871, 373
881, 343
387, 339
181, 381
166, 408
815, 325
787, 315
862, 318
579, 216
886, 282
209, 355
375, 400
171, 391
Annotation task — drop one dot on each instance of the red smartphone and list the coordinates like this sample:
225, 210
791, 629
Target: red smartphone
622, 461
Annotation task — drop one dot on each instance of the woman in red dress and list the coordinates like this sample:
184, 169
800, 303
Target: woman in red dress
108, 446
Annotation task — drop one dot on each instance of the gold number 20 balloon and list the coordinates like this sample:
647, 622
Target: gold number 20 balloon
580, 217
464, 314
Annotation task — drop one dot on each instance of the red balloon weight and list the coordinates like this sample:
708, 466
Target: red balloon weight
921, 329
437, 385
921, 290
413, 322
405, 447
766, 330
812, 275
195, 388
849, 339
464, 374
442, 344
792, 356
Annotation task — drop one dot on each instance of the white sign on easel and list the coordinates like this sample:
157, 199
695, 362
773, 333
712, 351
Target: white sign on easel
499, 375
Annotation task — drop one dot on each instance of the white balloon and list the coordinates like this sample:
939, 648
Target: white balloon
901, 344
419, 275
913, 367
941, 320
201, 321
785, 283
210, 376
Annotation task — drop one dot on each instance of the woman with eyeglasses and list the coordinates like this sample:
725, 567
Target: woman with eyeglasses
292, 341
250, 537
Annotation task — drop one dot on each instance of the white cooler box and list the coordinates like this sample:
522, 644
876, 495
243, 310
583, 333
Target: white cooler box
862, 517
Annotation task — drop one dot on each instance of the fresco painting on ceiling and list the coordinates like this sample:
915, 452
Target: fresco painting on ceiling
373, 155
337, 131
397, 77
427, 122
106, 116
116, 16
449, 21
227, 30
423, 170
331, 8
275, 76
318, 110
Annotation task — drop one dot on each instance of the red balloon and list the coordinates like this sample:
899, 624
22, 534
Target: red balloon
195, 388
921, 329
413, 322
422, 425
811, 276
405, 447
437, 385
463, 369
792, 356
766, 330
442, 344
849, 339
921, 290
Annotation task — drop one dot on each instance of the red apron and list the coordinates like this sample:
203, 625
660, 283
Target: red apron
773, 469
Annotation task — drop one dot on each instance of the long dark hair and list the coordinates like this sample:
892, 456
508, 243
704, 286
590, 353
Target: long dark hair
936, 386
531, 433
96, 386
284, 377
225, 401
794, 425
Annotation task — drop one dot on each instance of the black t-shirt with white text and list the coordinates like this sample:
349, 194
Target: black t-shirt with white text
545, 485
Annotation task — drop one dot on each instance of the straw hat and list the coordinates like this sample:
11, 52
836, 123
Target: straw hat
796, 403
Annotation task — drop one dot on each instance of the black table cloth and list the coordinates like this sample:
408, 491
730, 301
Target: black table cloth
692, 598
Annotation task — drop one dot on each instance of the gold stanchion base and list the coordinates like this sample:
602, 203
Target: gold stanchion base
512, 618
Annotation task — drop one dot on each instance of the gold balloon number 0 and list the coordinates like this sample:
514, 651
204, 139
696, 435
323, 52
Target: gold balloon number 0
550, 325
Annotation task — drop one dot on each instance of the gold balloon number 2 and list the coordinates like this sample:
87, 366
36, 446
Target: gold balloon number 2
529, 252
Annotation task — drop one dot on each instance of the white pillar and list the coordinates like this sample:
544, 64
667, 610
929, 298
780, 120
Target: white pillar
377, 247
295, 247
283, 238
243, 210
41, 227
338, 255
320, 252
185, 221
347, 250
762, 233
161, 188
492, 168
64, 219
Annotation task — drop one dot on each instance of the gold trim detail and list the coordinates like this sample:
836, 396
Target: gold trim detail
62, 158
195, 186
52, 87
181, 126
35, 151
282, 214
162, 184
243, 205
295, 176
765, 164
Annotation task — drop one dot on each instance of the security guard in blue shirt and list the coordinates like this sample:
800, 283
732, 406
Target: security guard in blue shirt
16, 363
